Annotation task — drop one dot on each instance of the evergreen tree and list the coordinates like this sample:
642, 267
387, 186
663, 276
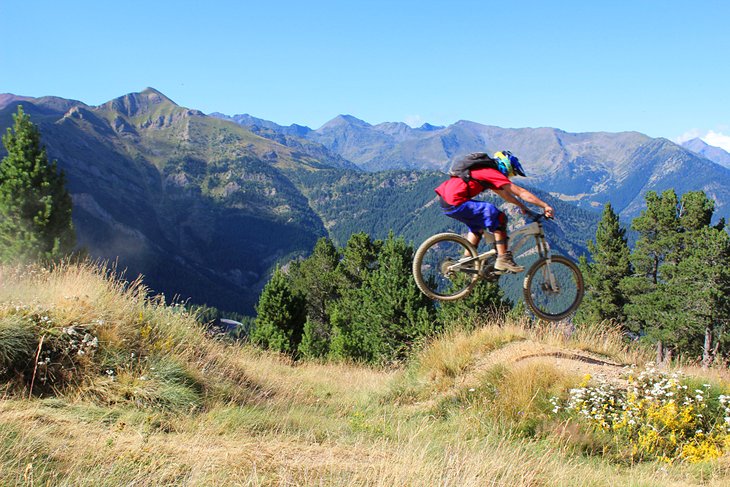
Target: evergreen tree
359, 258
280, 317
695, 211
353, 334
680, 294
381, 320
315, 278
611, 263
405, 313
487, 298
518, 311
699, 280
650, 308
316, 339
35, 208
700, 286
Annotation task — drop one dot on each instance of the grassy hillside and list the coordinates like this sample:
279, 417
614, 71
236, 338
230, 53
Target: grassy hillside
129, 391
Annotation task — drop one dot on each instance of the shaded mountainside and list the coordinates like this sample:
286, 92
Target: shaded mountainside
588, 169
293, 136
198, 205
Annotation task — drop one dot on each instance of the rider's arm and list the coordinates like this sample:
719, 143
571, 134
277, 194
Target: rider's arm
525, 195
507, 195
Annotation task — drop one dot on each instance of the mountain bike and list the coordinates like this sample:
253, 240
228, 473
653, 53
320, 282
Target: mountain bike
447, 266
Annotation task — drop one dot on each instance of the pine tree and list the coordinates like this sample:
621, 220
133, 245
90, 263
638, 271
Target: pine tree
280, 316
35, 208
315, 278
354, 335
650, 308
404, 312
380, 320
611, 263
680, 293
359, 258
699, 279
487, 298
700, 285
695, 211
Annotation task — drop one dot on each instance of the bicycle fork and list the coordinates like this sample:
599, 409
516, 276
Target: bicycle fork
549, 284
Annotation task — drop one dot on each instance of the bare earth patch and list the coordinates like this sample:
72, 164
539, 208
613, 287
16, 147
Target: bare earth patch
572, 362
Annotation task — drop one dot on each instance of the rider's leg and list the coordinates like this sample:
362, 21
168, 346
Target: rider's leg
500, 234
500, 241
474, 238
505, 261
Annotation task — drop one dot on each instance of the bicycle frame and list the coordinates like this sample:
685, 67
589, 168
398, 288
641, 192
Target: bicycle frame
520, 237
552, 286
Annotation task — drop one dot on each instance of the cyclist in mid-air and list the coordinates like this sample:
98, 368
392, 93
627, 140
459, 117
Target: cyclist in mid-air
456, 195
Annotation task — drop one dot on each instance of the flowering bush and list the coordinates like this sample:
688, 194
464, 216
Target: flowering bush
658, 415
46, 354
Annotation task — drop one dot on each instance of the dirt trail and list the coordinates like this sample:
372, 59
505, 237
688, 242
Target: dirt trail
577, 362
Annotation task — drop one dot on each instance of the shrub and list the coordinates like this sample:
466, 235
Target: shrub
658, 416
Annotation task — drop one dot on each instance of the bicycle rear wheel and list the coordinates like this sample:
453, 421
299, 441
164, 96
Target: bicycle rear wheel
437, 271
553, 290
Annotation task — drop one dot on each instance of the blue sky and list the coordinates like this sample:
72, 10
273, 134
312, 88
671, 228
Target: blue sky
658, 67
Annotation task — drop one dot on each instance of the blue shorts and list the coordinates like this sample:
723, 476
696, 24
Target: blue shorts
478, 215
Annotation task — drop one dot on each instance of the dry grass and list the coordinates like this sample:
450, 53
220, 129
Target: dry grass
451, 354
187, 410
46, 444
456, 358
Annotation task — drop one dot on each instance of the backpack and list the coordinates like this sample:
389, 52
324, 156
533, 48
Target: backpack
476, 160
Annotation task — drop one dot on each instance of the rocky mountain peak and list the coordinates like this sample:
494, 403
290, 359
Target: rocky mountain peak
344, 120
427, 127
695, 145
134, 104
715, 154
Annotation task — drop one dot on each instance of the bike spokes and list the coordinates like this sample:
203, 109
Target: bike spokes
446, 268
553, 289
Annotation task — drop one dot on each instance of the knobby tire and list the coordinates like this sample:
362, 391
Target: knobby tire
551, 306
431, 258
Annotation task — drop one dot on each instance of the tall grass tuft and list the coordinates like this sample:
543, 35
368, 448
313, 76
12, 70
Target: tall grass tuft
79, 330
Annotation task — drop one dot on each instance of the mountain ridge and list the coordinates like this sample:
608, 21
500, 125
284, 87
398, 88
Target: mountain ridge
587, 168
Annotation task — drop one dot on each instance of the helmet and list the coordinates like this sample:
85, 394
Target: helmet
508, 164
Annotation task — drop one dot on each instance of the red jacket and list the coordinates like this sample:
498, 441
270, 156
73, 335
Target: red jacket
455, 191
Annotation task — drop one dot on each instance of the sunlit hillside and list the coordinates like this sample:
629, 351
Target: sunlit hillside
103, 386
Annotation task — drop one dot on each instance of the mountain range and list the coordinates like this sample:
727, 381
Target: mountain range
588, 169
205, 205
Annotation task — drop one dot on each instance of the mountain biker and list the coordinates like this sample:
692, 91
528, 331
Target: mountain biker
456, 201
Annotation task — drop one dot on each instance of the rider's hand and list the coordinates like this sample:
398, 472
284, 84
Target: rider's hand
548, 210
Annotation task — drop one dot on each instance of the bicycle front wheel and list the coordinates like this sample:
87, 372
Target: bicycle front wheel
438, 271
553, 288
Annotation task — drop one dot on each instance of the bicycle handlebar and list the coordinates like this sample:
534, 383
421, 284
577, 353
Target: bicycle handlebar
534, 216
